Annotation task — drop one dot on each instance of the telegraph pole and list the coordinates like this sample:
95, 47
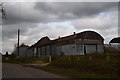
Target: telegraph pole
18, 42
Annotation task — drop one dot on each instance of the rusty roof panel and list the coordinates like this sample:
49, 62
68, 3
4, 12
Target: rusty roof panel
82, 35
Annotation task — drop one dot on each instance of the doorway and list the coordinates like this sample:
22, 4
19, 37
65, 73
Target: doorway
84, 49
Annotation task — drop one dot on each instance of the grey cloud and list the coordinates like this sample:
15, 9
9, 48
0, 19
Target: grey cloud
33, 18
7, 47
17, 12
10, 31
107, 26
40, 12
78, 9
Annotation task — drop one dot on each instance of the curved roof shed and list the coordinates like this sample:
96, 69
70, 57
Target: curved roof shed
115, 40
90, 35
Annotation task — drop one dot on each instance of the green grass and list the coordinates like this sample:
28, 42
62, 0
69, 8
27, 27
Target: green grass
76, 74
24, 60
80, 66
91, 65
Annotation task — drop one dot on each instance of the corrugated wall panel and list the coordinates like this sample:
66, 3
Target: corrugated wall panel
47, 50
90, 48
69, 49
59, 50
23, 52
79, 48
39, 52
100, 48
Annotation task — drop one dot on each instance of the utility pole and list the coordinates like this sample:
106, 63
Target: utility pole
18, 42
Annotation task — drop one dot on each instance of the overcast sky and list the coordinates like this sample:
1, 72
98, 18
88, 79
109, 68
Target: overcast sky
38, 19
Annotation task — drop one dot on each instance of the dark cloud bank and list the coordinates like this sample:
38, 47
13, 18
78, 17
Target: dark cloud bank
33, 18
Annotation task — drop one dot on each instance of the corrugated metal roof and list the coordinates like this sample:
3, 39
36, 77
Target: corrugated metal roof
42, 41
89, 35
82, 35
23, 45
115, 40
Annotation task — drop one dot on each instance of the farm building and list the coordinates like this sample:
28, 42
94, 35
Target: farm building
76, 44
22, 50
115, 40
33, 50
115, 43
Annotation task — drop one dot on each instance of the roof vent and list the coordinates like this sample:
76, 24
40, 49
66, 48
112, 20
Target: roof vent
59, 37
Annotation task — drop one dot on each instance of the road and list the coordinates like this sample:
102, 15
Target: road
19, 71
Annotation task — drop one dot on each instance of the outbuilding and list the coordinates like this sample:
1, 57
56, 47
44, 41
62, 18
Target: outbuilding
115, 43
23, 50
81, 43
86, 42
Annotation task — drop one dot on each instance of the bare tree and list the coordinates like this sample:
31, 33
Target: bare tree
2, 11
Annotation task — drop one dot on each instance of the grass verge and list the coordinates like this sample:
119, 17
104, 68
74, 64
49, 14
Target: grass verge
76, 74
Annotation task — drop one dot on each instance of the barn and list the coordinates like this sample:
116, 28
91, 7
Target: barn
86, 42
31, 51
34, 49
81, 43
115, 43
22, 50
115, 40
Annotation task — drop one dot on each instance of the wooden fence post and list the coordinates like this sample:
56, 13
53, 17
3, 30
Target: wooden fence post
49, 59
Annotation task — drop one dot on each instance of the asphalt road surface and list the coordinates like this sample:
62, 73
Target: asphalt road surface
19, 71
